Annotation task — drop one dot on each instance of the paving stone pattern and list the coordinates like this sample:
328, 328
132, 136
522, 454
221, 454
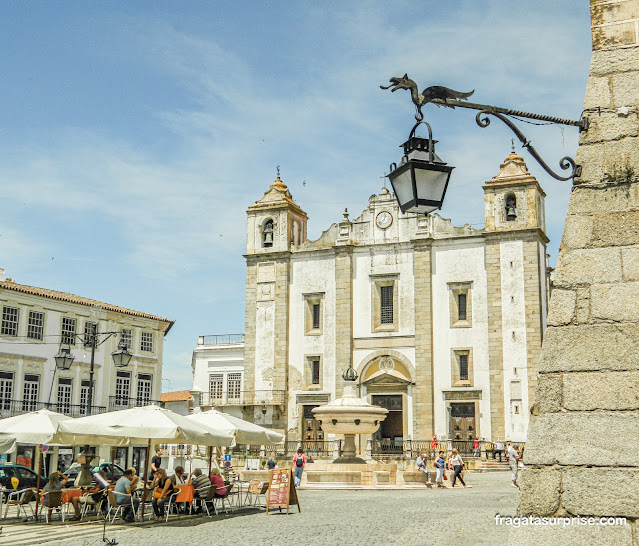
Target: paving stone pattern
419, 516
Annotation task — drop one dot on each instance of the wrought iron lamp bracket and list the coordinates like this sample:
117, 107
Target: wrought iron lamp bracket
565, 162
442, 96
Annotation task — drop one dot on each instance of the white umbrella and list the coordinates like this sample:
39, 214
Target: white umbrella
36, 427
245, 432
7, 445
139, 426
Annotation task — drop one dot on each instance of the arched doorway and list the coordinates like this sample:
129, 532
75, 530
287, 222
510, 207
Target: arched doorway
387, 383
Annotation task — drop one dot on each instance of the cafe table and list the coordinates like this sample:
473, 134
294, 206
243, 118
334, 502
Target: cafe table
185, 494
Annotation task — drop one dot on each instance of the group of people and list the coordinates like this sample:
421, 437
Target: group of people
124, 491
455, 463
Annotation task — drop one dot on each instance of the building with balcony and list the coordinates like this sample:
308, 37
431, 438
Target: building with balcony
37, 322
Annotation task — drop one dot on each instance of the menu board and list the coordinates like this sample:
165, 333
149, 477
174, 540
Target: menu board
281, 490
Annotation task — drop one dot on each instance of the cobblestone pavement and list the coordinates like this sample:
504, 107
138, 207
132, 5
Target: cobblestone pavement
420, 516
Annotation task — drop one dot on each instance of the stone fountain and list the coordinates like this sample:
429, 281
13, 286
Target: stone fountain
349, 416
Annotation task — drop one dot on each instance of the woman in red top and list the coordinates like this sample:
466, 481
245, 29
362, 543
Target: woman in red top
433, 446
218, 483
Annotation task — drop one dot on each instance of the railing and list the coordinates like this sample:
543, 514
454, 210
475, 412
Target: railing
223, 339
412, 448
9, 408
244, 398
312, 448
121, 402
184, 450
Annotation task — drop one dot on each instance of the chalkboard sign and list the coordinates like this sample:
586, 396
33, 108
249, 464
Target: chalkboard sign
281, 490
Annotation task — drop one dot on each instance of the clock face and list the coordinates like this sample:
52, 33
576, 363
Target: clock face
384, 219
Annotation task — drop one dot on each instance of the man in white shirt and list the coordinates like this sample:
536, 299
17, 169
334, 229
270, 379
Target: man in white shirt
513, 460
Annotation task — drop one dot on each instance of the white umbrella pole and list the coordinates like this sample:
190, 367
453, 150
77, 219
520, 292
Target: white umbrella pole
39, 455
146, 475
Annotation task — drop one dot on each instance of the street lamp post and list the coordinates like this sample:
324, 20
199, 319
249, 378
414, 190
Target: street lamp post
121, 357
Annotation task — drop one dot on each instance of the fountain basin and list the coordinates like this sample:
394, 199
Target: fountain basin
349, 416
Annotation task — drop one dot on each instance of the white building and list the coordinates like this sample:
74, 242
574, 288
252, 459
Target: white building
37, 322
442, 324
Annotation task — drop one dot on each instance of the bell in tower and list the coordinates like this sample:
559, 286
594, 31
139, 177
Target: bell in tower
275, 223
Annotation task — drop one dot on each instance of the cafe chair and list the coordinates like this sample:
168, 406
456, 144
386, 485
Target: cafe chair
21, 500
170, 504
225, 498
146, 498
88, 500
113, 506
210, 499
55, 503
258, 491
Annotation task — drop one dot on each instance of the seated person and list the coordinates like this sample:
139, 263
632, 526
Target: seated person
135, 480
178, 477
218, 483
123, 496
420, 463
56, 482
201, 483
163, 488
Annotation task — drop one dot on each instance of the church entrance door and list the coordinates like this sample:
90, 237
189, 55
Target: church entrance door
390, 435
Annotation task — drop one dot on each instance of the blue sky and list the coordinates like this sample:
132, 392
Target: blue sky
134, 135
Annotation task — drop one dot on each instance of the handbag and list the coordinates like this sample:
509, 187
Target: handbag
445, 477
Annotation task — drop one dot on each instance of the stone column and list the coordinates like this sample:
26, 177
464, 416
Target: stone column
343, 314
495, 339
423, 401
582, 454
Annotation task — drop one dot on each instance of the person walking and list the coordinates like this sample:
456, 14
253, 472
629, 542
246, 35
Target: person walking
420, 463
513, 460
433, 446
458, 465
299, 462
439, 467
499, 449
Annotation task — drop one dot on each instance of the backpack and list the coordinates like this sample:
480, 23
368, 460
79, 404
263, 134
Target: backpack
299, 461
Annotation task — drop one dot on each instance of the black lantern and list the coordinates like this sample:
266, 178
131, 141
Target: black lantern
122, 356
421, 179
63, 359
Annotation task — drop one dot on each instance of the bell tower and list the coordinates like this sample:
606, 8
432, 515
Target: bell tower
275, 223
513, 199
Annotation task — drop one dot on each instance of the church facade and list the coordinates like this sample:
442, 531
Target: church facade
442, 324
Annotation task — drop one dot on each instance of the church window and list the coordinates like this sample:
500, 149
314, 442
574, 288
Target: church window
313, 313
384, 304
462, 368
460, 302
386, 311
511, 207
313, 372
461, 306
267, 234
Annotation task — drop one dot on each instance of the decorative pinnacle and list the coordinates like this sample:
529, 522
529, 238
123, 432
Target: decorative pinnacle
350, 374
278, 171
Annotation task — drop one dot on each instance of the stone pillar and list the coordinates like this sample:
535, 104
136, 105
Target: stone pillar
423, 401
495, 340
343, 314
581, 454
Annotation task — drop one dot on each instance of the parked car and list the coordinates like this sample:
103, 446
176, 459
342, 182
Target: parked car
26, 476
73, 471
